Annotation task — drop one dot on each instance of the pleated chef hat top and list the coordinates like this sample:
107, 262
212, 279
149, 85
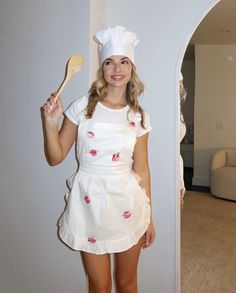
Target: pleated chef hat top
116, 41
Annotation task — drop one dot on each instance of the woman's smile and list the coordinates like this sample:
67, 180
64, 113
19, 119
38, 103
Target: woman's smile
118, 77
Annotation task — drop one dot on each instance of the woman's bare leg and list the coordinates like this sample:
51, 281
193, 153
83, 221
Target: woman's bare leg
126, 264
98, 270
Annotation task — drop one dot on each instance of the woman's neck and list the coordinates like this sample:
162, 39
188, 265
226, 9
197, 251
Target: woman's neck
116, 97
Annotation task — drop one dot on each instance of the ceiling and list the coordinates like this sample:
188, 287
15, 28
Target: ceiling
218, 27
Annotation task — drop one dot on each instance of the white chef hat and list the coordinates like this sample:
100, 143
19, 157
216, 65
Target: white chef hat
116, 41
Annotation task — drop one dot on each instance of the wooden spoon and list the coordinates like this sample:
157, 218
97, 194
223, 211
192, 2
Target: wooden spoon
73, 66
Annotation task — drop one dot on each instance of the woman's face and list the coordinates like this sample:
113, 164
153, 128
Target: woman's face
117, 71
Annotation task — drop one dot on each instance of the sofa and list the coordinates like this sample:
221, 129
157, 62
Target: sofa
223, 174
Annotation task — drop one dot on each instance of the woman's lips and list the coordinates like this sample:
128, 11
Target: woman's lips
117, 77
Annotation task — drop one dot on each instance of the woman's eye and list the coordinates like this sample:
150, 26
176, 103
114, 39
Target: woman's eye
125, 62
107, 62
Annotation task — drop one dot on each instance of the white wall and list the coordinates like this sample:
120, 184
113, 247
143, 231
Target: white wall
36, 39
215, 103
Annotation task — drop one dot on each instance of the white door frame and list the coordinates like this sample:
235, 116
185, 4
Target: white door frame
188, 36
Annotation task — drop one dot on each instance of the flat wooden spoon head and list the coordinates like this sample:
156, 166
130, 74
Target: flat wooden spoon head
73, 66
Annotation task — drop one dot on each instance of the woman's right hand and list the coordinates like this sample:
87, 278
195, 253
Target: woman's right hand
52, 111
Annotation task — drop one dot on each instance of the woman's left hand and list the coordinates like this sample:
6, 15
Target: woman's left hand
182, 192
149, 235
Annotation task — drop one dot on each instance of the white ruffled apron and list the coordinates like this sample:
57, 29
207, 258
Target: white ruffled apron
107, 211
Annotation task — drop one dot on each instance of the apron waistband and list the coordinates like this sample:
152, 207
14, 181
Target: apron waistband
106, 170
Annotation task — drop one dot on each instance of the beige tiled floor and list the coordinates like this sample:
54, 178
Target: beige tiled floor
208, 244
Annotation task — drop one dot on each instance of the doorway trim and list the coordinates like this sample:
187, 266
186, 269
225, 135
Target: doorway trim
207, 7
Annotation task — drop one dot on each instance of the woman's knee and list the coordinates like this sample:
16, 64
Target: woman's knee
126, 284
100, 286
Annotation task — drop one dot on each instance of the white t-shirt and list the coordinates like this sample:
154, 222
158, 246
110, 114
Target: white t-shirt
76, 113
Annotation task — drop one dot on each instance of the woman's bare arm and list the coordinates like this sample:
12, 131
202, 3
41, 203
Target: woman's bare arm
140, 163
141, 167
57, 143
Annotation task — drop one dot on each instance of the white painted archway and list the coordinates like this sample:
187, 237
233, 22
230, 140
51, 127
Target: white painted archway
191, 31
193, 26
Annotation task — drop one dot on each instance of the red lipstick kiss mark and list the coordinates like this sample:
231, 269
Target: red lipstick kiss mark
90, 134
126, 214
115, 157
93, 152
91, 240
132, 123
87, 199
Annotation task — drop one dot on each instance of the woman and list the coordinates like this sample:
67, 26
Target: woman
182, 94
108, 204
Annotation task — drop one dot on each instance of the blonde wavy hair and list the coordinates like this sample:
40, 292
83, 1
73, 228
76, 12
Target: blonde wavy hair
182, 94
98, 92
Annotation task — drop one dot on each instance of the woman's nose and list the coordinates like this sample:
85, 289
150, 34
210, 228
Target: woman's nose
117, 67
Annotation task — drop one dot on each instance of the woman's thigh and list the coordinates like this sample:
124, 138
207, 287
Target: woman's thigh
98, 269
126, 262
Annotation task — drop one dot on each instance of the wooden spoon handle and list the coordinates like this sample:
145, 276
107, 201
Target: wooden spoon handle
60, 89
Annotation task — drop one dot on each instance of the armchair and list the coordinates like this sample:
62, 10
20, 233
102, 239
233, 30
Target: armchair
223, 174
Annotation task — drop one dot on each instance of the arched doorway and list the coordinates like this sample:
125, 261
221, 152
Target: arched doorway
230, 58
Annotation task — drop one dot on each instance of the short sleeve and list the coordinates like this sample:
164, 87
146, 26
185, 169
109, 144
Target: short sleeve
75, 111
147, 124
